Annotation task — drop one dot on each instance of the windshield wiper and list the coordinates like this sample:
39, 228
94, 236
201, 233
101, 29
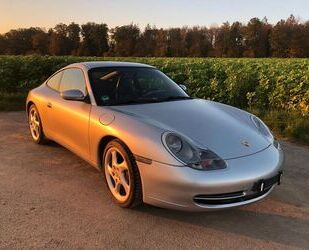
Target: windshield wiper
175, 98
153, 100
138, 101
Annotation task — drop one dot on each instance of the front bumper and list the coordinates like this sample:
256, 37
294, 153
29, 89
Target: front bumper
185, 188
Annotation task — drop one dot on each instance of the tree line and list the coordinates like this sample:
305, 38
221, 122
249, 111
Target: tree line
257, 38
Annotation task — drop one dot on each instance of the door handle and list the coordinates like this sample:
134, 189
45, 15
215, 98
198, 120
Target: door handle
49, 105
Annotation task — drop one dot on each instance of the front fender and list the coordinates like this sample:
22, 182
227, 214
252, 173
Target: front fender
142, 139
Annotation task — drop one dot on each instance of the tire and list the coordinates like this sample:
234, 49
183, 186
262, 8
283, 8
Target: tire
35, 126
120, 172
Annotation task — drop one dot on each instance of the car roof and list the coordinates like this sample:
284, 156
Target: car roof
98, 64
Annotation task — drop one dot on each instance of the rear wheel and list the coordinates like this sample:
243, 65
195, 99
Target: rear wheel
122, 175
35, 126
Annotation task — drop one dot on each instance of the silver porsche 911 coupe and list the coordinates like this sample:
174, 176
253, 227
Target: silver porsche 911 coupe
152, 141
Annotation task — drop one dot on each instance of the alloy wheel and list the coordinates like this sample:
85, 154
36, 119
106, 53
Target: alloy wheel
34, 124
117, 174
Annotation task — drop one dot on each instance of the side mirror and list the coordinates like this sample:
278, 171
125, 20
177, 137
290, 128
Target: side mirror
183, 87
73, 95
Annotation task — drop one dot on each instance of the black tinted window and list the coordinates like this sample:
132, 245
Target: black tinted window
113, 86
73, 79
54, 81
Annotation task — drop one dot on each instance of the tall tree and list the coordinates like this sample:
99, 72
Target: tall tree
298, 37
222, 40
290, 38
73, 33
236, 42
161, 43
280, 40
147, 42
176, 46
198, 43
94, 39
257, 35
20, 41
40, 43
59, 42
125, 39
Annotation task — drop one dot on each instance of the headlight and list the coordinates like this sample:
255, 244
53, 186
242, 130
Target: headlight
191, 156
174, 143
180, 148
260, 125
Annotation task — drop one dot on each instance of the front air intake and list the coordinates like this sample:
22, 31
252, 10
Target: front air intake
227, 198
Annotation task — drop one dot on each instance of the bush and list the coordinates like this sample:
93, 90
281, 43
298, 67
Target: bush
245, 83
286, 124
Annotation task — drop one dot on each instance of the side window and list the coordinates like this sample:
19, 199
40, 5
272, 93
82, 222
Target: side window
73, 79
54, 81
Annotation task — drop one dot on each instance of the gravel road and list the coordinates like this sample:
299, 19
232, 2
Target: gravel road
50, 198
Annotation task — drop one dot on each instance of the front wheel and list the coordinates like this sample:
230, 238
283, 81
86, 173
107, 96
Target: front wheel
122, 175
35, 125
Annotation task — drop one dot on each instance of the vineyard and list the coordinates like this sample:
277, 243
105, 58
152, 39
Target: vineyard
276, 89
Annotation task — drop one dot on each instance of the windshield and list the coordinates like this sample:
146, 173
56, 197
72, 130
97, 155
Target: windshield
131, 85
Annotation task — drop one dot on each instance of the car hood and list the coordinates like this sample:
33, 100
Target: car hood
227, 131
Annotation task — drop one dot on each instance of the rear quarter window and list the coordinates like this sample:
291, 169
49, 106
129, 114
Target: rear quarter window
54, 81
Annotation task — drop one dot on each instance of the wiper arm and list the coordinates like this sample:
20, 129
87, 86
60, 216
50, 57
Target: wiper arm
153, 100
172, 98
138, 101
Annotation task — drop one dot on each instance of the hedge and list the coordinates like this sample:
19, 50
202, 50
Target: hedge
246, 83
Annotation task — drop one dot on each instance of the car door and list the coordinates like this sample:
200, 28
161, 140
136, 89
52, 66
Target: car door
51, 93
69, 120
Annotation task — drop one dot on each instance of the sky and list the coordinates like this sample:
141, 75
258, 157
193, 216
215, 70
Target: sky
161, 13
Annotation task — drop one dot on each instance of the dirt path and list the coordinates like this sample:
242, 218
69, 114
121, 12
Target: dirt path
51, 198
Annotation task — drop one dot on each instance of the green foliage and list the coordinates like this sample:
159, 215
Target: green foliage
245, 83
289, 124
